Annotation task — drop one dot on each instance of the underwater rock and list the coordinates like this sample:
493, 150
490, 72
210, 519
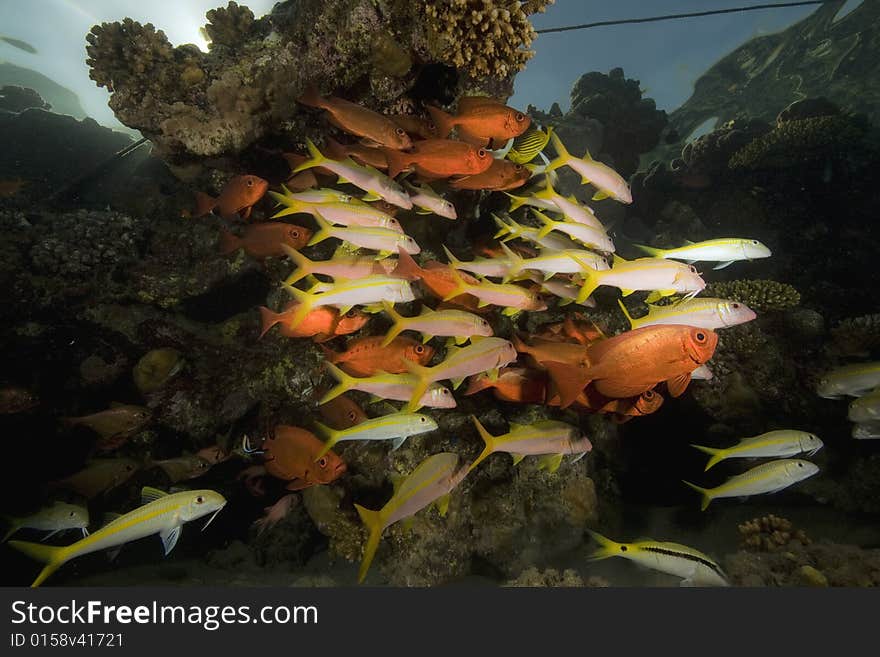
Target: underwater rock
710, 153
16, 99
61, 99
856, 336
533, 577
228, 26
816, 56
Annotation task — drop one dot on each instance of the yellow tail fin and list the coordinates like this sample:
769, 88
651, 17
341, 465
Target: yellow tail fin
345, 383
562, 154
607, 548
518, 201
332, 438
398, 325
549, 224
461, 286
419, 389
625, 312
705, 492
650, 250
489, 441
316, 160
591, 282
373, 522
516, 263
305, 304
326, 230
717, 455
54, 557
303, 265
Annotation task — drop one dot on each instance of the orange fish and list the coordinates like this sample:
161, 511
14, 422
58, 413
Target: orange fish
514, 384
631, 363
342, 413
437, 277
239, 195
481, 120
502, 175
359, 121
290, 454
366, 356
575, 328
302, 181
439, 158
366, 155
626, 409
540, 351
321, 324
264, 240
416, 126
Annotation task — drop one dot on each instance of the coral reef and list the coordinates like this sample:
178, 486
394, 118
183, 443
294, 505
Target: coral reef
483, 37
769, 534
711, 152
759, 295
228, 26
533, 577
856, 336
17, 99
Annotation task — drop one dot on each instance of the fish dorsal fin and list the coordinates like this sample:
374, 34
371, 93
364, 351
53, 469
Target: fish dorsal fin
150, 494
587, 156
109, 517
169, 538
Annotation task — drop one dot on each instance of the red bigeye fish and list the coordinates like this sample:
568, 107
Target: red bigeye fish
439, 158
367, 356
341, 413
502, 175
238, 196
481, 120
265, 240
514, 384
291, 454
321, 324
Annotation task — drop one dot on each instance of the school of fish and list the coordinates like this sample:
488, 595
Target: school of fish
550, 250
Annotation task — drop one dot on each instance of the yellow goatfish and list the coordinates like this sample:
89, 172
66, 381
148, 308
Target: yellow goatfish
431, 482
854, 380
783, 442
56, 518
161, 514
396, 427
724, 251
606, 180
769, 477
696, 568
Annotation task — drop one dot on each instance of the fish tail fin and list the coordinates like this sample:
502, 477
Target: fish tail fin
204, 204
325, 230
397, 161
516, 201
54, 557
345, 382
607, 548
516, 263
717, 455
304, 266
312, 98
444, 121
562, 154
591, 282
461, 286
398, 325
406, 267
650, 250
422, 373
269, 319
332, 438
503, 228
705, 492
455, 262
569, 380
229, 242
317, 158
305, 305
373, 522
625, 312
547, 221
488, 440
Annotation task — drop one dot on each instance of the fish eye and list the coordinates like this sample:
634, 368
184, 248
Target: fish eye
352, 416
518, 167
420, 349
323, 462
294, 233
422, 419
444, 391
481, 153
250, 182
129, 468
72, 514
393, 222
649, 394
692, 269
200, 500
400, 132
734, 306
701, 337
800, 465
351, 313
755, 242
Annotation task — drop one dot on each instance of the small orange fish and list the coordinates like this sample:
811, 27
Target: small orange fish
364, 154
358, 120
366, 356
626, 409
540, 351
514, 384
437, 277
439, 158
481, 120
342, 413
239, 195
575, 328
321, 324
264, 240
416, 126
290, 453
635, 361
501, 176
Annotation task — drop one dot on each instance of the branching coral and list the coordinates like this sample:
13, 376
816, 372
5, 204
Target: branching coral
483, 37
770, 533
228, 26
758, 294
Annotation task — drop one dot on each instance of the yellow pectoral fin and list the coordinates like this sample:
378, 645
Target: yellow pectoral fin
600, 196
443, 505
551, 462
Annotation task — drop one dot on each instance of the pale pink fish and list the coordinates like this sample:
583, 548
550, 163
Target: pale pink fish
569, 207
533, 201
565, 291
458, 324
323, 195
397, 387
430, 201
384, 240
339, 268
509, 230
702, 312
568, 261
512, 298
371, 180
482, 355
275, 513
606, 180
346, 294
494, 267
649, 274
583, 233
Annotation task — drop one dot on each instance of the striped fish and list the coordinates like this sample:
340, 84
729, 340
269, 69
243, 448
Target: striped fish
527, 146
